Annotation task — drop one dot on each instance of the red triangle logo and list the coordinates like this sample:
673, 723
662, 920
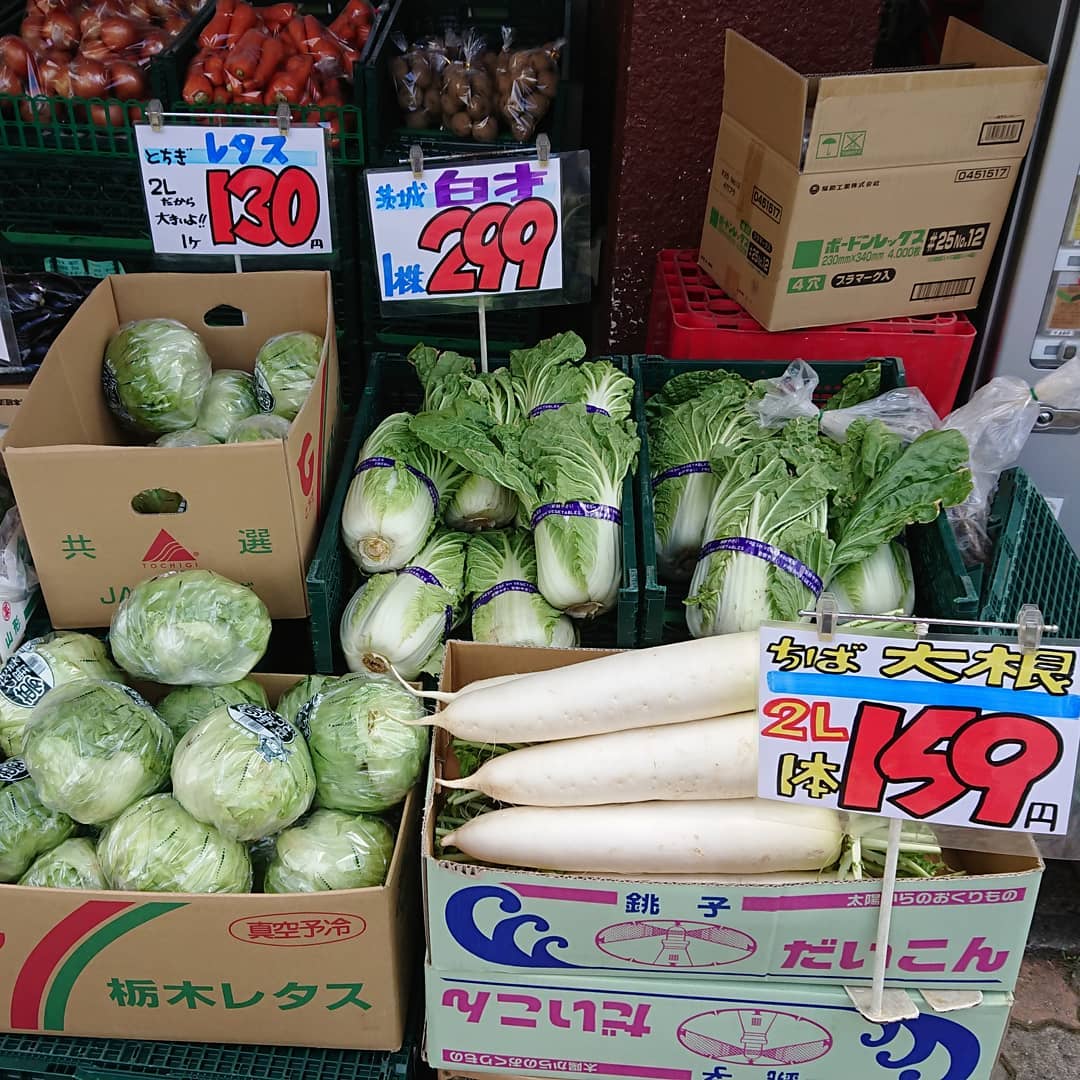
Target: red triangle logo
167, 549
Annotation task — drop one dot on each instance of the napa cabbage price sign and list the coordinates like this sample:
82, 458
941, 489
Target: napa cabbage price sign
459, 231
972, 733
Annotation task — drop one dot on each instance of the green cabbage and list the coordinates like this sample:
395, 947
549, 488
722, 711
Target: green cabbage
403, 619
244, 770
229, 398
579, 460
190, 628
259, 428
72, 865
157, 846
366, 754
285, 369
186, 706
508, 608
331, 850
155, 374
94, 747
27, 826
39, 665
188, 437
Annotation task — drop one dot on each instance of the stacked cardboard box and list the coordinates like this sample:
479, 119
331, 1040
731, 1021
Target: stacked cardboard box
537, 974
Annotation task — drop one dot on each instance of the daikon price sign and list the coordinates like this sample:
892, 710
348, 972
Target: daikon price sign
235, 190
462, 231
969, 733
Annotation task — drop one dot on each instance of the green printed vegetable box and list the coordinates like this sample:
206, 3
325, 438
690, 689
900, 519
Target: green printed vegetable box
958, 933
329, 969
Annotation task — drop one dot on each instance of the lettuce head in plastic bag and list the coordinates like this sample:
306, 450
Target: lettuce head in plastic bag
229, 398
298, 701
190, 628
259, 429
94, 747
27, 826
366, 755
187, 705
155, 374
157, 846
285, 370
244, 770
188, 437
72, 865
331, 850
37, 667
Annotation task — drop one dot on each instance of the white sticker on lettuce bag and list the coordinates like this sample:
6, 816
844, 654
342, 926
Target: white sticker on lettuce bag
263, 394
273, 732
26, 678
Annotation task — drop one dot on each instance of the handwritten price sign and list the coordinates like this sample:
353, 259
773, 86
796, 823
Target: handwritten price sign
971, 733
467, 230
235, 191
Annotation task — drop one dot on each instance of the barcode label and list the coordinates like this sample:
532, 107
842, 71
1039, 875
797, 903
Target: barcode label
938, 290
995, 132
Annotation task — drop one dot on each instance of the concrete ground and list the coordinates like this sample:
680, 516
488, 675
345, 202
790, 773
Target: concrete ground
1043, 1041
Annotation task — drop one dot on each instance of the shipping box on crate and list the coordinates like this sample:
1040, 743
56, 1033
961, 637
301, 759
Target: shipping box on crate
844, 198
586, 1023
960, 933
251, 509
327, 969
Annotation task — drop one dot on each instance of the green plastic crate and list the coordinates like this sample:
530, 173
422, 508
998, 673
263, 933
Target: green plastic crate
944, 587
332, 577
24, 1057
1033, 561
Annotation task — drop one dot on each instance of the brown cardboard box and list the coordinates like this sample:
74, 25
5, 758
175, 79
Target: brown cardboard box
853, 197
252, 509
260, 969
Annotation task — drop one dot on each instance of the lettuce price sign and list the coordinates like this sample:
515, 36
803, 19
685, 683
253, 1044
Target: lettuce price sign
235, 191
970, 733
467, 230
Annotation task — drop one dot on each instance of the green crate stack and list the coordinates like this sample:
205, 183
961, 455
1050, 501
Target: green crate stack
332, 577
944, 588
534, 22
52, 1057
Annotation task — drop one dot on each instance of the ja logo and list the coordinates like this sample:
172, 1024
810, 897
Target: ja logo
928, 1032
305, 464
499, 910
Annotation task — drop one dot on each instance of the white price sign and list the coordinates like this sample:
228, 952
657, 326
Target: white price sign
235, 190
463, 231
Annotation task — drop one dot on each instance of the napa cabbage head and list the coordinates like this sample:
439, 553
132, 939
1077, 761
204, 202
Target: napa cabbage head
27, 826
190, 628
508, 607
880, 584
184, 707
229, 398
403, 619
245, 770
155, 374
399, 489
37, 667
579, 461
74, 864
157, 846
285, 369
331, 850
94, 748
367, 754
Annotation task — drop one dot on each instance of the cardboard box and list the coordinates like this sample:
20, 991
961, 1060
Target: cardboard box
948, 934
327, 969
251, 509
544, 1025
844, 198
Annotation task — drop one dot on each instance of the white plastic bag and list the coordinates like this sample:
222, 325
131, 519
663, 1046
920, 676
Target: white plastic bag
17, 576
904, 411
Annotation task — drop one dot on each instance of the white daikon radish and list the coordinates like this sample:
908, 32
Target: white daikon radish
483, 684
668, 684
701, 759
776, 877
727, 836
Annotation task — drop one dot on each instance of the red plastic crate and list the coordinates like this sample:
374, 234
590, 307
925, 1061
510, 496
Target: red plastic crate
692, 318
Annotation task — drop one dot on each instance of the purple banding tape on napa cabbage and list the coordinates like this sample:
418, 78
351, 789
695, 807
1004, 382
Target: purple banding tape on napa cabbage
551, 405
428, 578
577, 509
389, 463
513, 585
680, 470
743, 545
